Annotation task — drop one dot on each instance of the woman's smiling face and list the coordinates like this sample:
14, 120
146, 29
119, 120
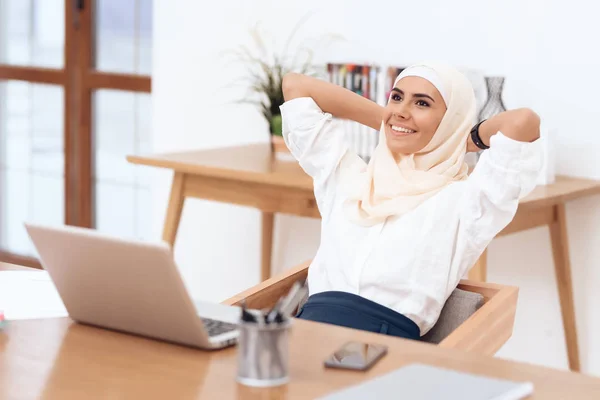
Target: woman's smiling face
413, 113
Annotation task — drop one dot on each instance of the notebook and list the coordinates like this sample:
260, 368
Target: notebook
425, 382
29, 295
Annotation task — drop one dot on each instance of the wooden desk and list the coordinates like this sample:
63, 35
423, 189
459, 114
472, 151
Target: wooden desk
251, 176
12, 267
57, 359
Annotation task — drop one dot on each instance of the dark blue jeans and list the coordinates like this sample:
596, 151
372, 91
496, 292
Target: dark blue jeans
353, 311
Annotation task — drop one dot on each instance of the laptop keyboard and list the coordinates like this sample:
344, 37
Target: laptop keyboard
214, 327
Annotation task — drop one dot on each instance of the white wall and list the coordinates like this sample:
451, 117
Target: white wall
544, 48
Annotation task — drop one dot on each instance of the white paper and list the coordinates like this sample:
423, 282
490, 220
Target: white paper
29, 295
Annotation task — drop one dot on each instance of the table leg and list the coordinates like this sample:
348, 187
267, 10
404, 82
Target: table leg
267, 245
562, 269
479, 270
174, 208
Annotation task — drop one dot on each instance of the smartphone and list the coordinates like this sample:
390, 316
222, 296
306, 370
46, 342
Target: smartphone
356, 355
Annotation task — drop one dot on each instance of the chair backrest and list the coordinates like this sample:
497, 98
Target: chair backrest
458, 308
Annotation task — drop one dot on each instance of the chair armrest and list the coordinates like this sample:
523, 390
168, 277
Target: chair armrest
488, 329
484, 332
267, 293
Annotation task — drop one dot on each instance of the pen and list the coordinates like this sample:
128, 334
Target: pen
247, 316
285, 306
270, 316
282, 302
293, 300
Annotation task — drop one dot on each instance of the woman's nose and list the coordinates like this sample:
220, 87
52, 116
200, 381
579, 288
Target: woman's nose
400, 113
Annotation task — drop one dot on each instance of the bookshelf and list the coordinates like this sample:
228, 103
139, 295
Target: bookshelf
365, 80
371, 81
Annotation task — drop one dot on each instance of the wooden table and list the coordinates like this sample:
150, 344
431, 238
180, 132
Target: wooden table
252, 176
57, 359
12, 267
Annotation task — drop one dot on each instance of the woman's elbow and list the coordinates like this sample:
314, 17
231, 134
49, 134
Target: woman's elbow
525, 125
291, 86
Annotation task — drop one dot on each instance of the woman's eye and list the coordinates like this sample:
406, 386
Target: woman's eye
395, 97
422, 103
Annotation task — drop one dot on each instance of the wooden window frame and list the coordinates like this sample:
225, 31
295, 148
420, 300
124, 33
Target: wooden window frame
79, 79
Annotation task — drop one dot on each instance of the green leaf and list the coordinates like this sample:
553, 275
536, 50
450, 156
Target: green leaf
265, 71
276, 125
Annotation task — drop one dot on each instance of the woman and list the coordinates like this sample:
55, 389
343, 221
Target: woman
398, 234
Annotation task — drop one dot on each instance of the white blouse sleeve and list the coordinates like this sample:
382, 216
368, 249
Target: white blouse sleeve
504, 174
316, 141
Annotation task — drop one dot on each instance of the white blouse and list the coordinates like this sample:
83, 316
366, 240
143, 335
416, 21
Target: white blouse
411, 263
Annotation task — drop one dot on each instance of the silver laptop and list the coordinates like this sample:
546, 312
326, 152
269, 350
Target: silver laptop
129, 286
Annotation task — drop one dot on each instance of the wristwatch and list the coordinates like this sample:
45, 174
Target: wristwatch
476, 138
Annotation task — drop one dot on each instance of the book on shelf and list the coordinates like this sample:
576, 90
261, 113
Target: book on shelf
361, 79
365, 80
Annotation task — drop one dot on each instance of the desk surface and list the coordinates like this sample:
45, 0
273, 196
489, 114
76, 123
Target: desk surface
253, 163
58, 359
256, 163
12, 267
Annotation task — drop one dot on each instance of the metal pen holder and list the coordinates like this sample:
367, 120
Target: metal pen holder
263, 353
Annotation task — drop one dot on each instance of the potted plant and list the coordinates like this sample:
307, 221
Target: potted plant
265, 70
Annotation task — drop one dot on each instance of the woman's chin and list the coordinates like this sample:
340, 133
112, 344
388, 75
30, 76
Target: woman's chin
405, 144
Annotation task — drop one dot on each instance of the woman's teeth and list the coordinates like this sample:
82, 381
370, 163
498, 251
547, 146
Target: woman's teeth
400, 129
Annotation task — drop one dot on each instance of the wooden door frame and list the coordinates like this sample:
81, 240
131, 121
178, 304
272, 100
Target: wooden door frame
79, 80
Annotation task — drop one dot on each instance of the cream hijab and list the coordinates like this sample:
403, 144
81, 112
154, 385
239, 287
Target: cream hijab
386, 188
